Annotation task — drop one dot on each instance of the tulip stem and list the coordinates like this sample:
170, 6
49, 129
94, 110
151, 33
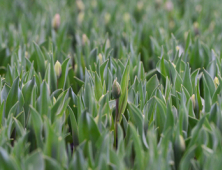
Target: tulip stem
116, 124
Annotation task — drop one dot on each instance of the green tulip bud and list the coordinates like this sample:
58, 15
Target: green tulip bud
116, 89
58, 69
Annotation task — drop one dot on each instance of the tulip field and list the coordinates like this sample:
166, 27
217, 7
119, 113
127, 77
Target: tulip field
110, 85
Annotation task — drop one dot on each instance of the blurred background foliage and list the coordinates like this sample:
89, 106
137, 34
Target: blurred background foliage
166, 55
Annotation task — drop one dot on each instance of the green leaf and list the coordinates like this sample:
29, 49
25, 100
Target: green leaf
64, 74
98, 88
26, 91
44, 100
137, 119
13, 96
138, 147
51, 163
151, 84
6, 162
37, 126
124, 90
186, 159
35, 160
88, 129
40, 59
209, 82
187, 80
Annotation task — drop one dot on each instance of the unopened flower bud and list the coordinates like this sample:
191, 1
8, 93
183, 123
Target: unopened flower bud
56, 22
196, 28
216, 82
54, 100
158, 3
126, 17
80, 17
192, 98
80, 5
107, 44
100, 57
85, 39
182, 143
171, 24
107, 17
169, 6
26, 54
140, 5
116, 89
58, 69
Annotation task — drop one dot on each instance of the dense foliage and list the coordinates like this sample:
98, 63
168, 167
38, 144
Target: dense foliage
58, 62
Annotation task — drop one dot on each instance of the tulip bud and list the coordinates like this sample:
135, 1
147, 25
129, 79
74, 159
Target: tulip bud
100, 57
80, 17
171, 24
182, 144
107, 18
54, 100
196, 28
126, 17
107, 44
26, 54
140, 5
56, 22
158, 3
198, 8
192, 98
58, 69
85, 39
116, 89
80, 5
216, 82
169, 6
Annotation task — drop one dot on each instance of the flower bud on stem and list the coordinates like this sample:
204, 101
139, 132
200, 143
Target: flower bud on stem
116, 92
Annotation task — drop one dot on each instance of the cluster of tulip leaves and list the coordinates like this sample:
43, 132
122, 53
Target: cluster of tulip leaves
57, 110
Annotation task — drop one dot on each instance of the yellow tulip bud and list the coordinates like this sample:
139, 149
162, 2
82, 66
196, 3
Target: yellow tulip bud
80, 17
85, 39
80, 5
58, 69
100, 57
107, 18
140, 5
126, 17
182, 143
216, 82
54, 100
